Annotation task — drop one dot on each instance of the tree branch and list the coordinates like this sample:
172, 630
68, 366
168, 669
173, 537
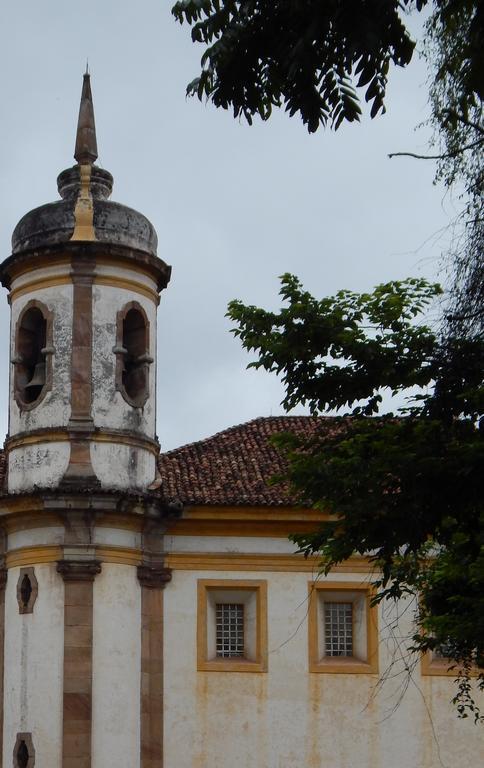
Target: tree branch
455, 153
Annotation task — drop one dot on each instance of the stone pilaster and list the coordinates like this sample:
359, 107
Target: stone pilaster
153, 580
81, 424
78, 578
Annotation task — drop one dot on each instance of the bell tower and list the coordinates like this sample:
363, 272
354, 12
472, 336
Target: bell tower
82, 515
84, 283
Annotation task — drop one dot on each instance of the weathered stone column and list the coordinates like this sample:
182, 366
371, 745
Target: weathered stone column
80, 468
153, 582
78, 578
153, 577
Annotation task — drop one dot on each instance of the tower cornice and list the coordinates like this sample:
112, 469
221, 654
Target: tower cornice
33, 258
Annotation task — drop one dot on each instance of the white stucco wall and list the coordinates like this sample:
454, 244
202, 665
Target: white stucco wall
122, 466
40, 464
116, 668
230, 544
54, 410
289, 718
34, 649
36, 537
109, 407
116, 537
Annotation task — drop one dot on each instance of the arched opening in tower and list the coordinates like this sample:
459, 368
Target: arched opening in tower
30, 361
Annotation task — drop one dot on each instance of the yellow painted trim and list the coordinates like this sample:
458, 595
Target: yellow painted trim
113, 262
119, 555
279, 529
26, 521
50, 554
37, 285
32, 516
114, 282
128, 285
204, 664
84, 210
33, 556
335, 665
40, 262
232, 521
190, 561
204, 561
19, 505
19, 270
280, 514
138, 442
48, 437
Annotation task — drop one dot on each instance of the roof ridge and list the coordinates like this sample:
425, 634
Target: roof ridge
237, 427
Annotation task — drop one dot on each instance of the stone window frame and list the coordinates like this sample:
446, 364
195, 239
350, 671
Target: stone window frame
365, 633
29, 607
120, 351
47, 351
27, 738
211, 591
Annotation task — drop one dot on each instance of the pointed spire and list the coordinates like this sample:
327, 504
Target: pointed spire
86, 144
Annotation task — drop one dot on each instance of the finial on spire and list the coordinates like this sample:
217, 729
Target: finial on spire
86, 144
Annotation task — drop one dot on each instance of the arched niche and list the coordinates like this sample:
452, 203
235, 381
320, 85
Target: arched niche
33, 355
132, 354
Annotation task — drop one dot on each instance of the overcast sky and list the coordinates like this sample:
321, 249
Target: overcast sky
234, 206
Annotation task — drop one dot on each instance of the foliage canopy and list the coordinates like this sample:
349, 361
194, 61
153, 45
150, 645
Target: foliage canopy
311, 56
405, 489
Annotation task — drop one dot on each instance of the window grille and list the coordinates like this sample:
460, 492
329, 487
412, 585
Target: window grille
338, 629
230, 629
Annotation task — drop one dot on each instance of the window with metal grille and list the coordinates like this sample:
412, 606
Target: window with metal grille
229, 619
338, 629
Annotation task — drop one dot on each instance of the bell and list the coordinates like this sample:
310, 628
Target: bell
38, 379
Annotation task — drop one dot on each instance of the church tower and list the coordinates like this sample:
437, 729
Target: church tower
81, 515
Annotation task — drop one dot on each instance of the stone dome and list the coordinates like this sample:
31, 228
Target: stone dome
54, 223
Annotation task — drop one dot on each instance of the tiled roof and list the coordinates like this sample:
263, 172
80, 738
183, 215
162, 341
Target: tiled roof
233, 467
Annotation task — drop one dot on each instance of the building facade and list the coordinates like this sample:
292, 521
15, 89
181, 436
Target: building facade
153, 611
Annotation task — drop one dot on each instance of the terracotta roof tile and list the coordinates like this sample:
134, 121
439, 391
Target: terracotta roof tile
233, 467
